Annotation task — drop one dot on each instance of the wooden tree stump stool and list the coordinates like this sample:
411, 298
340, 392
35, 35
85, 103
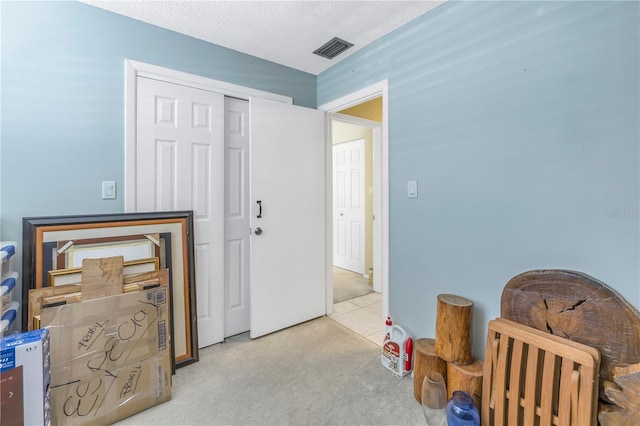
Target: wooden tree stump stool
466, 378
453, 329
425, 360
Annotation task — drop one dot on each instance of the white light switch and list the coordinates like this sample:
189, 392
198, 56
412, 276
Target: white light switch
108, 189
412, 189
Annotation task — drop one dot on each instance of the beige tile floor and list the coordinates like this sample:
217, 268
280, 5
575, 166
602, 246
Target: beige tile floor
362, 315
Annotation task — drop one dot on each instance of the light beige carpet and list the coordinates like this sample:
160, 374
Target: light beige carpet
348, 285
316, 373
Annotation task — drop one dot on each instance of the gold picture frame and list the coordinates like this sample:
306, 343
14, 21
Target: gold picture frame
69, 254
74, 275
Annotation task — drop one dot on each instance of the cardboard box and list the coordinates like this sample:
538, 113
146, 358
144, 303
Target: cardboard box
24, 379
110, 356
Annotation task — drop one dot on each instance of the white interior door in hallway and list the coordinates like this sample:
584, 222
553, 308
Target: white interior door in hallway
180, 166
349, 206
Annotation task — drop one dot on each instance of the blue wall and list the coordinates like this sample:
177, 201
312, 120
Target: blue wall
520, 121
62, 97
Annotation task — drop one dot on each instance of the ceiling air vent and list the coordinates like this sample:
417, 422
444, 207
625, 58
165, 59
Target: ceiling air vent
333, 48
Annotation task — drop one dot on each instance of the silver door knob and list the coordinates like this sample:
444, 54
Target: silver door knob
258, 231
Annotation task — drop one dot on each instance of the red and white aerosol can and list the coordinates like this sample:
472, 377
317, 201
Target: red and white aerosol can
397, 352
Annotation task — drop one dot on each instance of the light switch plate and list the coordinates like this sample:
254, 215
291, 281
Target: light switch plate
412, 189
108, 189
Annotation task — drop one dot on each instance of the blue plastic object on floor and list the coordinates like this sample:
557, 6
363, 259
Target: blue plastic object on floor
461, 411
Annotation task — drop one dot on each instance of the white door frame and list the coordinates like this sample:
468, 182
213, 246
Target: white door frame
375, 90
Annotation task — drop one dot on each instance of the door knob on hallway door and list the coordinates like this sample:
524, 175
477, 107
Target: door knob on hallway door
258, 231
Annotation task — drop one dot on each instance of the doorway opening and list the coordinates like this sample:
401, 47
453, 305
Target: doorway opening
356, 128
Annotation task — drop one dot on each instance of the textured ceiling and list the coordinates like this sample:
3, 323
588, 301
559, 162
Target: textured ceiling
285, 32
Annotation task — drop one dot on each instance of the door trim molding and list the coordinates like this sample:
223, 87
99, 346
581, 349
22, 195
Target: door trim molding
352, 119
135, 69
375, 90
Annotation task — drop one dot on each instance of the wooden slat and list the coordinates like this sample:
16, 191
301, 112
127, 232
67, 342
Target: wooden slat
531, 376
575, 397
488, 379
495, 345
516, 378
501, 381
564, 398
546, 390
589, 382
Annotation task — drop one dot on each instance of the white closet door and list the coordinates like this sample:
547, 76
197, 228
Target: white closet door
180, 166
237, 208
